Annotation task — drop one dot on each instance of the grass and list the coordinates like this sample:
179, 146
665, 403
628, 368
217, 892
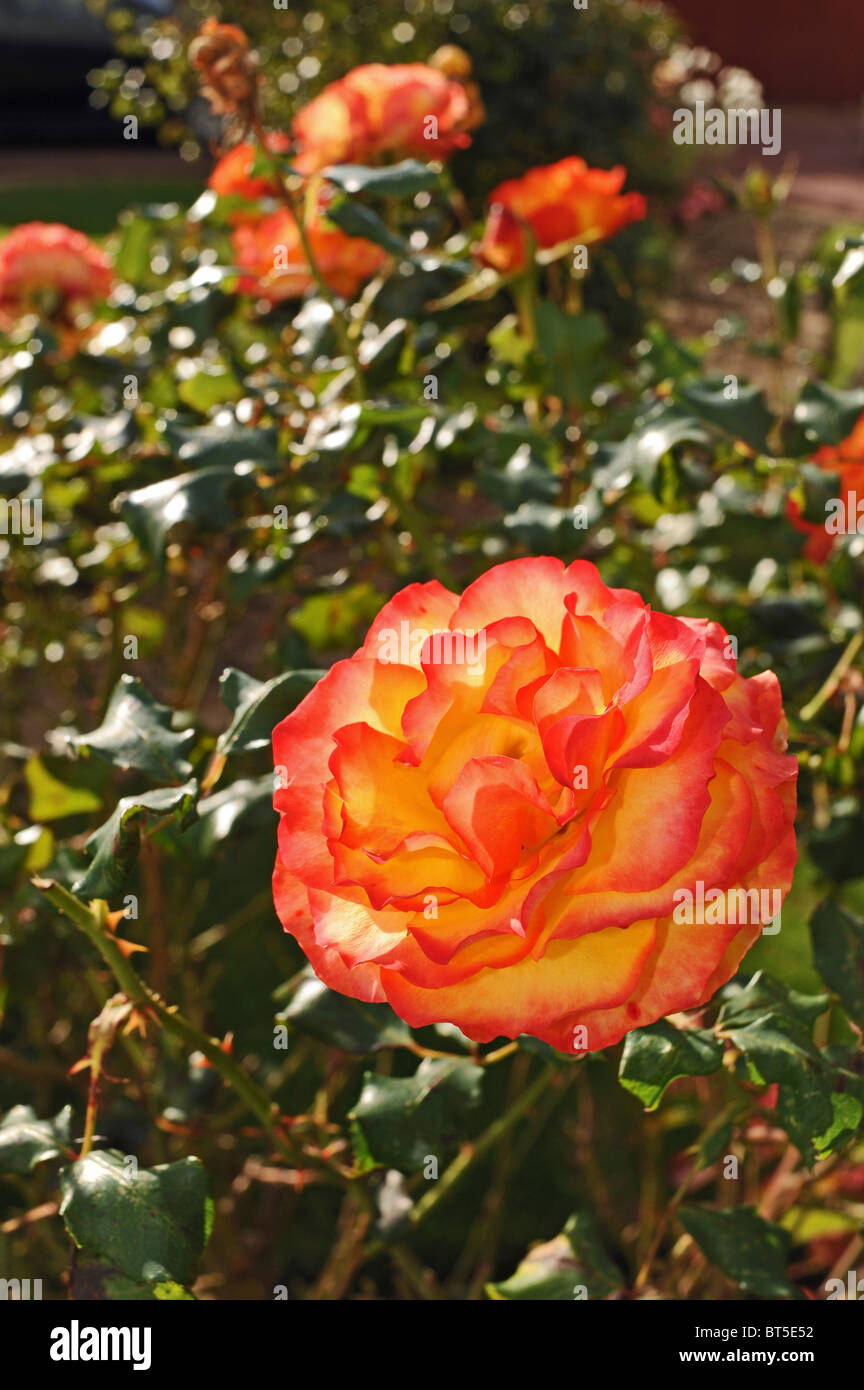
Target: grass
91, 207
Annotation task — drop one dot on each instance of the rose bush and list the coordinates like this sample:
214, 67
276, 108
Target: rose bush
498, 843
547, 798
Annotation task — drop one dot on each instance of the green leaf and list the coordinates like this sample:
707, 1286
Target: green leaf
95, 436
827, 415
660, 430
132, 257
392, 180
223, 445
753, 1253
847, 1112
245, 805
573, 1265
654, 1057
360, 221
333, 619
763, 995
379, 353
26, 1140
572, 346
838, 953
26, 460
714, 1142
214, 385
199, 498
114, 846
745, 416
339, 1021
136, 733
777, 1049
258, 706
816, 488
51, 799
151, 1224
524, 478
771, 1027
399, 1122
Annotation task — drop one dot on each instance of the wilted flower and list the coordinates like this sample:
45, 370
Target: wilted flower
229, 73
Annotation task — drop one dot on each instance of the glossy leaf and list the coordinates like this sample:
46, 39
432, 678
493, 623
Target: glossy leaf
393, 180
136, 733
339, 1021
753, 1253
26, 1140
151, 1225
401, 1122
257, 706
654, 1057
113, 848
575, 1265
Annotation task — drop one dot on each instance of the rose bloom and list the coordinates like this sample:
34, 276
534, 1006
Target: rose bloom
232, 174
50, 269
846, 460
492, 831
268, 249
553, 204
379, 110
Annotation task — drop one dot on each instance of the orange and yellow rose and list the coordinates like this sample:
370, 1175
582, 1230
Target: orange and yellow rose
55, 271
847, 461
554, 204
491, 814
378, 111
269, 252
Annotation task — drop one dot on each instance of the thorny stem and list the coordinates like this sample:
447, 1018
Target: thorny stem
825, 691
137, 992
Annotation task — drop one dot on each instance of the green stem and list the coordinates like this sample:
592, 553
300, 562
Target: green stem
345, 342
137, 992
831, 684
472, 1152
525, 295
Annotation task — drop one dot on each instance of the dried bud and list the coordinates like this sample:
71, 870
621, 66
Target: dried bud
452, 60
230, 77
